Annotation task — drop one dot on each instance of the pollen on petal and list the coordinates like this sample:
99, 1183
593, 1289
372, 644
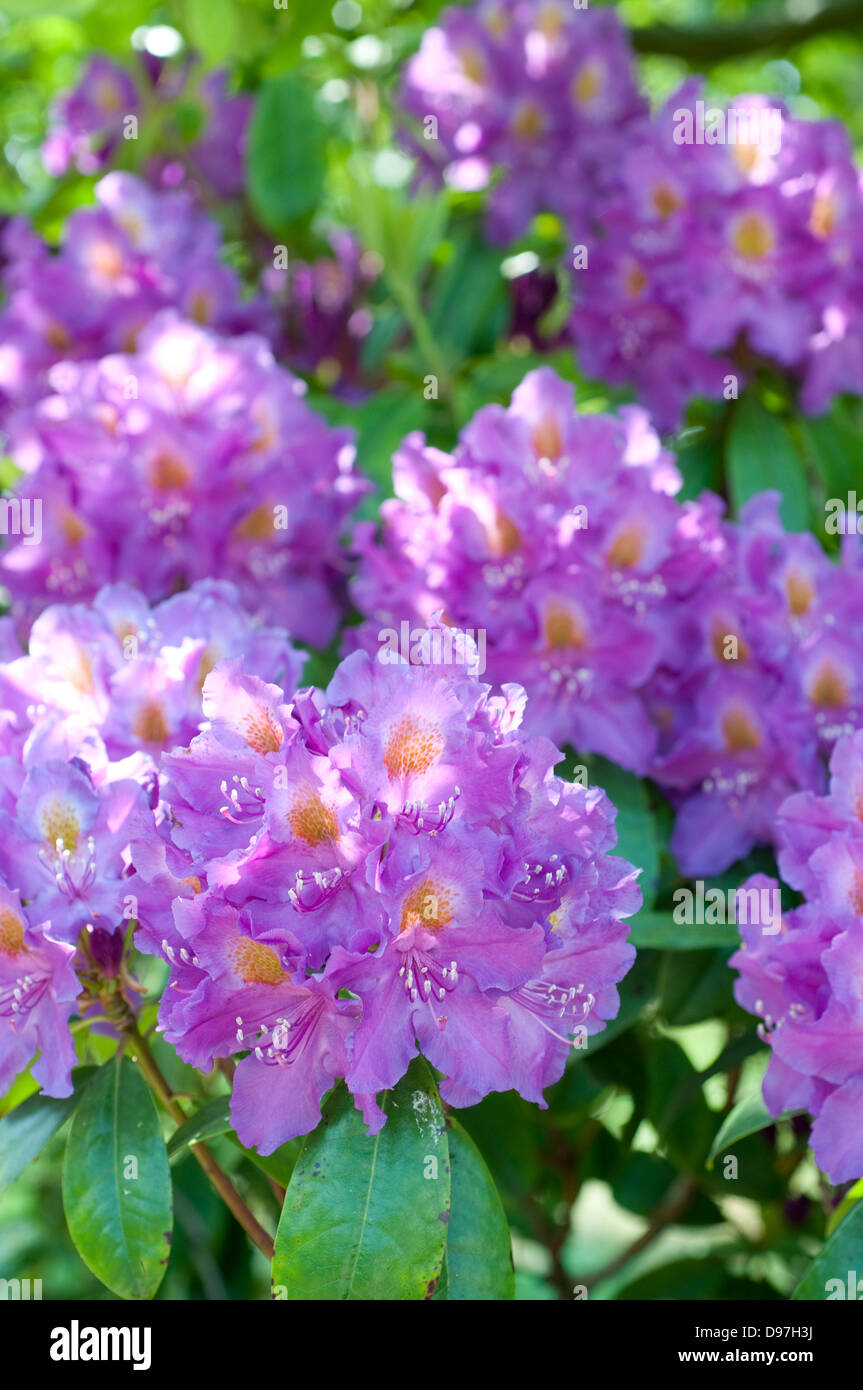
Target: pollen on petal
11, 933
428, 905
257, 963
753, 237
627, 548
413, 745
801, 591
721, 634
562, 630
546, 438
58, 820
855, 895
169, 473
79, 670
528, 121
261, 731
829, 690
257, 525
587, 83
312, 820
665, 200
150, 724
504, 537
740, 731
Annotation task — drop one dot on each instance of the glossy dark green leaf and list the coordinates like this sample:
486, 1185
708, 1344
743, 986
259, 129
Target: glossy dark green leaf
637, 839
25, 1131
676, 1106
761, 454
833, 445
829, 1277
117, 1183
213, 1119
749, 1116
478, 1261
286, 158
280, 1164
658, 931
365, 1218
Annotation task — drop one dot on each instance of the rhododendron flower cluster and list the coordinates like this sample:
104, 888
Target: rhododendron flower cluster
90, 122
134, 673
558, 534
718, 657
806, 984
711, 257
770, 679
136, 252
697, 252
194, 456
533, 91
386, 864
87, 711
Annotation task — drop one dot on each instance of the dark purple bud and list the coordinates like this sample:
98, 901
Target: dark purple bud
106, 948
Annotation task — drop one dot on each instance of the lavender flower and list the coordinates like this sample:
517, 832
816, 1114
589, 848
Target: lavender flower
535, 92
558, 536
387, 864
806, 984
193, 457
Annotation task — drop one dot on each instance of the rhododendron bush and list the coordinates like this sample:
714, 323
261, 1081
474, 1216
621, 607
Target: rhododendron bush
431, 652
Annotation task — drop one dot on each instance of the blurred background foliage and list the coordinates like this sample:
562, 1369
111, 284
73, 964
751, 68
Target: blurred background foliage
614, 1188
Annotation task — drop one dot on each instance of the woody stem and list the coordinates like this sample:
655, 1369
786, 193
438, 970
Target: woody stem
220, 1180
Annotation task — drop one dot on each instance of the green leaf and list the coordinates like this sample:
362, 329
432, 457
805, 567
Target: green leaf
478, 1260
676, 1106
280, 1164
366, 1218
382, 423
286, 158
851, 1198
403, 229
637, 839
658, 931
120, 1224
842, 1254
212, 1119
749, 1116
25, 1131
213, 26
833, 445
761, 454
468, 305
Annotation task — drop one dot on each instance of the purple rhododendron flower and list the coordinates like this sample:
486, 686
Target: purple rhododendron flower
387, 863
195, 456
708, 256
89, 122
806, 983
136, 252
135, 673
534, 90
38, 994
764, 690
557, 536
702, 652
